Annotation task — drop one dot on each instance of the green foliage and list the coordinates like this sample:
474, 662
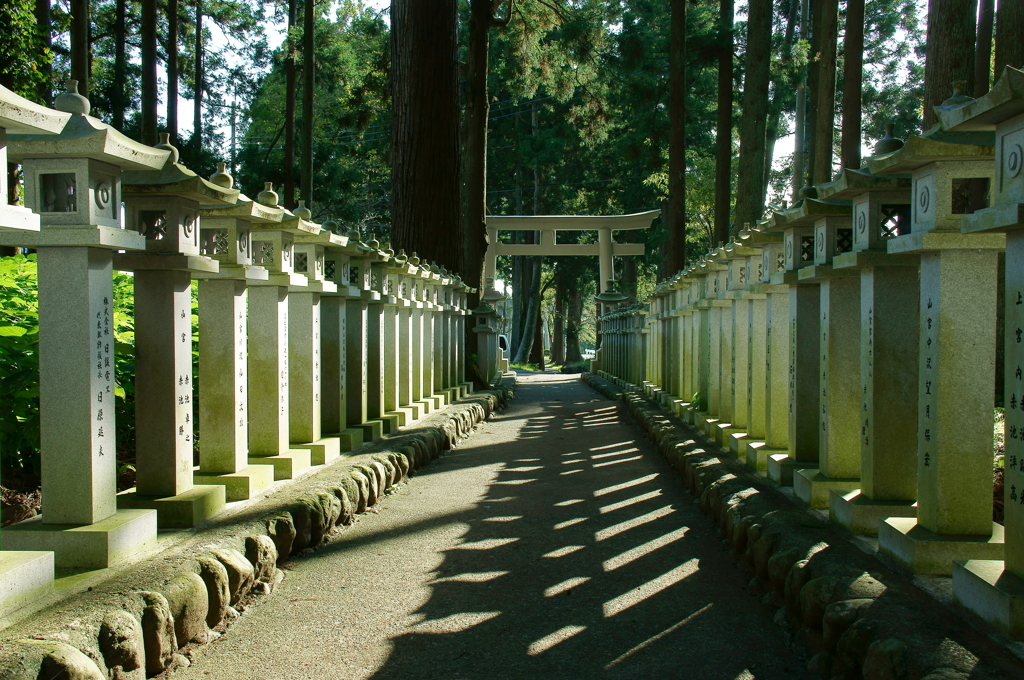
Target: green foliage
19, 364
22, 54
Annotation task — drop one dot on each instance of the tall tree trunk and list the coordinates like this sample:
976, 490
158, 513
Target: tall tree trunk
811, 94
426, 173
824, 125
675, 216
723, 131
308, 92
172, 70
573, 323
80, 50
558, 323
197, 111
853, 73
950, 51
537, 351
531, 321
117, 98
800, 151
750, 177
475, 149
290, 89
149, 92
774, 127
983, 48
1009, 35
46, 35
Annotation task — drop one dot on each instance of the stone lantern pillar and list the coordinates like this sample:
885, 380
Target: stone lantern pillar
994, 589
357, 373
951, 175
888, 349
397, 349
334, 336
226, 236
269, 397
73, 180
24, 575
462, 293
164, 207
486, 328
429, 291
305, 303
377, 311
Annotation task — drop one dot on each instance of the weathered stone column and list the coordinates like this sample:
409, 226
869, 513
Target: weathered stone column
712, 357
802, 356
269, 371
24, 575
889, 293
223, 356
838, 466
957, 320
738, 339
334, 336
357, 373
395, 341
72, 180
376, 341
992, 588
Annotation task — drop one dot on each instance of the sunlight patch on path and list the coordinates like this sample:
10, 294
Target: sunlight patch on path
571, 501
616, 529
565, 585
562, 552
631, 501
645, 549
570, 522
486, 544
508, 518
456, 623
632, 449
625, 485
623, 602
470, 577
655, 638
616, 462
548, 641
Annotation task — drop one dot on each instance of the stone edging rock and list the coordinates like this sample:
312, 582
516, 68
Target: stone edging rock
137, 624
854, 618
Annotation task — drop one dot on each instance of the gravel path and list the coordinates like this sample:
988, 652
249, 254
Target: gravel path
555, 543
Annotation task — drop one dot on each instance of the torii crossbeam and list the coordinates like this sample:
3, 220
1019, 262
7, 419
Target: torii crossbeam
547, 225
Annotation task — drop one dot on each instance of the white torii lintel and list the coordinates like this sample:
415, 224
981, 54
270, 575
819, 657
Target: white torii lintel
605, 248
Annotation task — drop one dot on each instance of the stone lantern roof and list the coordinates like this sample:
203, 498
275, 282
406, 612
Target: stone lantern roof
174, 179
851, 183
246, 209
1004, 101
937, 145
23, 117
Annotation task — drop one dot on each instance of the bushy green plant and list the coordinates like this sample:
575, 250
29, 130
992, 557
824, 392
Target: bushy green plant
19, 364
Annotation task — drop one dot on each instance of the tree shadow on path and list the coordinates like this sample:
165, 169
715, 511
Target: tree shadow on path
585, 559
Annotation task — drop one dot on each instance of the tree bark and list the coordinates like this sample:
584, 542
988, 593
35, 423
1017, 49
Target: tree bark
801, 123
80, 50
750, 175
426, 165
774, 126
824, 125
46, 35
475, 150
811, 93
197, 111
558, 323
675, 216
573, 323
983, 48
117, 98
172, 70
1009, 35
149, 92
723, 131
308, 92
290, 88
950, 52
853, 74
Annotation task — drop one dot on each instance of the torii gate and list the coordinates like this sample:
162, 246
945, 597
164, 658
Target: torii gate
547, 225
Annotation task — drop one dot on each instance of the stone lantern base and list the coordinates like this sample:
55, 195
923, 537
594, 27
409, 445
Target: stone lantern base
991, 592
124, 536
24, 578
902, 541
241, 485
183, 511
861, 514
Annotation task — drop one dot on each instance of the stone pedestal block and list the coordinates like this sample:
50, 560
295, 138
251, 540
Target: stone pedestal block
991, 592
908, 544
120, 537
24, 578
181, 511
861, 514
241, 485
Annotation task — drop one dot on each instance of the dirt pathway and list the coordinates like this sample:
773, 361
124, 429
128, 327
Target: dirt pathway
555, 543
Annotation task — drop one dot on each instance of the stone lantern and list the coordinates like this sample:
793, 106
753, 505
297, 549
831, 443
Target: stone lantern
338, 250
487, 352
887, 431
398, 341
164, 207
951, 174
226, 236
73, 180
357, 331
994, 589
270, 441
24, 575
